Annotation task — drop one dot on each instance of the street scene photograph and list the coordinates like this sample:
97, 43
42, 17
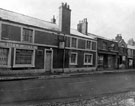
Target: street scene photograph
67, 53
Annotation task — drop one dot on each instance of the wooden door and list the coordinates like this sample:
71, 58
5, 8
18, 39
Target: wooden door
48, 60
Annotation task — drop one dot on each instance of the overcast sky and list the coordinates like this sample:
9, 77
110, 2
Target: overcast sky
105, 17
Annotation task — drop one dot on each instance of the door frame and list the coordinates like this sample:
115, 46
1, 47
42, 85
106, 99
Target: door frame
51, 58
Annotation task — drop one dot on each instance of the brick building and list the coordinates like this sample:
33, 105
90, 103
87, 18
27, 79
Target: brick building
122, 56
27, 42
107, 51
131, 56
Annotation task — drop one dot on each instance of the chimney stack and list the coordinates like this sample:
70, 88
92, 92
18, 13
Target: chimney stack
64, 18
53, 20
83, 26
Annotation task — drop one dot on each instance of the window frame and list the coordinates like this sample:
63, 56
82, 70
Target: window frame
22, 35
9, 58
24, 65
90, 45
76, 59
87, 63
71, 42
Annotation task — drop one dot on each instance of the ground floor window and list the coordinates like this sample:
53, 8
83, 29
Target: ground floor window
4, 52
24, 57
88, 59
73, 58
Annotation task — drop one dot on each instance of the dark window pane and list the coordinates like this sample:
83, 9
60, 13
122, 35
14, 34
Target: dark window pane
24, 56
74, 42
27, 35
88, 45
93, 45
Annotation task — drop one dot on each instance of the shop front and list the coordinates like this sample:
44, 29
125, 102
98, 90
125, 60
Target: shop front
16, 55
107, 61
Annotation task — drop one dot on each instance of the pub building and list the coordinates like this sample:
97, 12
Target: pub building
31, 43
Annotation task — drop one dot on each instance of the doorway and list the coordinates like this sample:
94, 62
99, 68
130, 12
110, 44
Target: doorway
48, 60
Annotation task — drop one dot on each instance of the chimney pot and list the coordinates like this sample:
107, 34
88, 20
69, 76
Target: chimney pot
66, 5
85, 19
53, 20
62, 4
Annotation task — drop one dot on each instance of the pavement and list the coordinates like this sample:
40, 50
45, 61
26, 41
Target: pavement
9, 76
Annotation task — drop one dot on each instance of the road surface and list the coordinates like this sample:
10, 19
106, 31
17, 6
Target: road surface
83, 86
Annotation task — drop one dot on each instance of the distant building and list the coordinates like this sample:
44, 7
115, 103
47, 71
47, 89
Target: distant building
107, 51
122, 56
30, 43
131, 42
131, 56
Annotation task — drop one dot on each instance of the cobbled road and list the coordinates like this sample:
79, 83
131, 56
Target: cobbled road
121, 99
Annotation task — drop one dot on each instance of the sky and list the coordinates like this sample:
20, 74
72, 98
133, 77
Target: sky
106, 18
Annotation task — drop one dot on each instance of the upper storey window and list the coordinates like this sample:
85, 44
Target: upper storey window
94, 46
27, 35
88, 44
10, 32
74, 42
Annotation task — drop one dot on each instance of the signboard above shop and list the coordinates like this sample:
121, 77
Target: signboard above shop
17, 45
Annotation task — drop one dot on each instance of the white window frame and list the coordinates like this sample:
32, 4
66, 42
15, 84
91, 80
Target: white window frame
91, 59
76, 42
9, 58
90, 45
33, 34
75, 59
24, 65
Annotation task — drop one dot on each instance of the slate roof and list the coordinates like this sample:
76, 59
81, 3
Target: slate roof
101, 37
21, 18
75, 32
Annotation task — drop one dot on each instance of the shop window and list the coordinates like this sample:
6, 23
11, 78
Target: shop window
93, 45
74, 42
4, 52
88, 59
27, 35
24, 57
73, 59
88, 44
